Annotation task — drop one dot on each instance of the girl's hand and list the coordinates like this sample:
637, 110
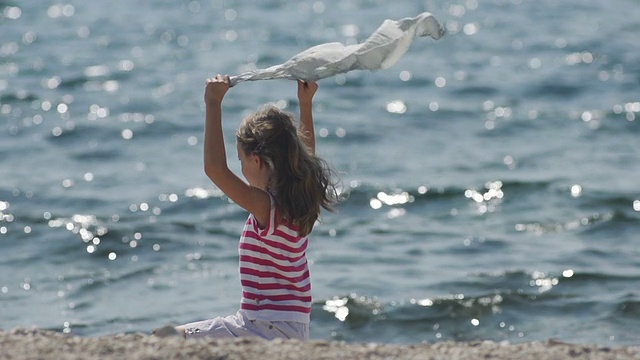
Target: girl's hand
306, 90
216, 88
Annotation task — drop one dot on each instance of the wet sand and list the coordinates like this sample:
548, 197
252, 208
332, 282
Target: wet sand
42, 344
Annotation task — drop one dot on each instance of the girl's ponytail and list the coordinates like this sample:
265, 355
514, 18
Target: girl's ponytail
300, 182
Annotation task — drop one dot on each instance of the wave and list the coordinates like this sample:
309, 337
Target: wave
22, 96
359, 193
507, 306
477, 90
553, 89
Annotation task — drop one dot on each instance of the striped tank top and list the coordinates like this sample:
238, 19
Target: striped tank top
274, 273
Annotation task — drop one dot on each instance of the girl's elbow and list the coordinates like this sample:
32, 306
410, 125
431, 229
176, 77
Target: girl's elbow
216, 171
212, 170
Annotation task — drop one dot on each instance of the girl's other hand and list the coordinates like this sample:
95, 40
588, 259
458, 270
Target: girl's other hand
216, 88
306, 90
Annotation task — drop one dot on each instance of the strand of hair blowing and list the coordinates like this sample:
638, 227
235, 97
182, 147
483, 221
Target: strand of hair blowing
301, 181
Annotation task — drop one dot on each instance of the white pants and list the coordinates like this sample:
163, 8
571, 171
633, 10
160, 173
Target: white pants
239, 325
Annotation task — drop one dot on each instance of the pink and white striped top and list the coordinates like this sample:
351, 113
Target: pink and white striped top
274, 272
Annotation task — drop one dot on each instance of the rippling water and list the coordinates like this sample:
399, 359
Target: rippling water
492, 176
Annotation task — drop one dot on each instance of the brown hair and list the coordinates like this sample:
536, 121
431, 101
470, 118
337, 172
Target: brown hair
300, 182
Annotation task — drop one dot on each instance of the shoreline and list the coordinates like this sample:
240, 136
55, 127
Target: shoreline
42, 344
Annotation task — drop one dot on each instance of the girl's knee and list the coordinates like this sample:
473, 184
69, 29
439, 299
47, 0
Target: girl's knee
169, 330
181, 330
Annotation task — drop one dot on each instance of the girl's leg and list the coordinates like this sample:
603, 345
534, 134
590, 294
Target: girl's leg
221, 327
239, 326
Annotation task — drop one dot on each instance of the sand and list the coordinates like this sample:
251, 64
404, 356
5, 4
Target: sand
42, 344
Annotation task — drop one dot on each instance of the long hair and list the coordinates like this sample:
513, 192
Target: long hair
300, 182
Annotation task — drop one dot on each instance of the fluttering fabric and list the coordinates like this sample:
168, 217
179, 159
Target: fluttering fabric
381, 50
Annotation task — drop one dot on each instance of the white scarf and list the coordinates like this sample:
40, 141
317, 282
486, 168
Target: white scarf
381, 50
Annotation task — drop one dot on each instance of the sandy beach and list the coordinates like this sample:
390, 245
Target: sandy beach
42, 344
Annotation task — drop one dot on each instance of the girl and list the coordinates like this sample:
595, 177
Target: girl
287, 186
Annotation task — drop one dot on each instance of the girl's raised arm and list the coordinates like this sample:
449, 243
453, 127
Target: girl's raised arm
306, 90
252, 199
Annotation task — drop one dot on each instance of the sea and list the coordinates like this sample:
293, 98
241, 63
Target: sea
489, 180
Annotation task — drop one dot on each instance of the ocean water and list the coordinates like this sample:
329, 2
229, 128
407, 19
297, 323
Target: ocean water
491, 178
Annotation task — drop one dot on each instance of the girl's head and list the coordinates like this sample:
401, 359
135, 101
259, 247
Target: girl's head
300, 182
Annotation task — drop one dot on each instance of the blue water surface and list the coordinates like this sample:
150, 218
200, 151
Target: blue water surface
491, 178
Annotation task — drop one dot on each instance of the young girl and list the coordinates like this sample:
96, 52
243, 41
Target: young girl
287, 187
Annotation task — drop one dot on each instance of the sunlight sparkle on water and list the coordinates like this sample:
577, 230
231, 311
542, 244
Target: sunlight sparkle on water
457, 10
51, 83
567, 273
405, 75
576, 190
126, 65
395, 213
338, 307
12, 12
535, 63
96, 71
578, 58
398, 198
471, 29
97, 112
230, 14
542, 281
487, 201
422, 302
127, 134
168, 197
61, 10
202, 193
509, 162
396, 107
87, 227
